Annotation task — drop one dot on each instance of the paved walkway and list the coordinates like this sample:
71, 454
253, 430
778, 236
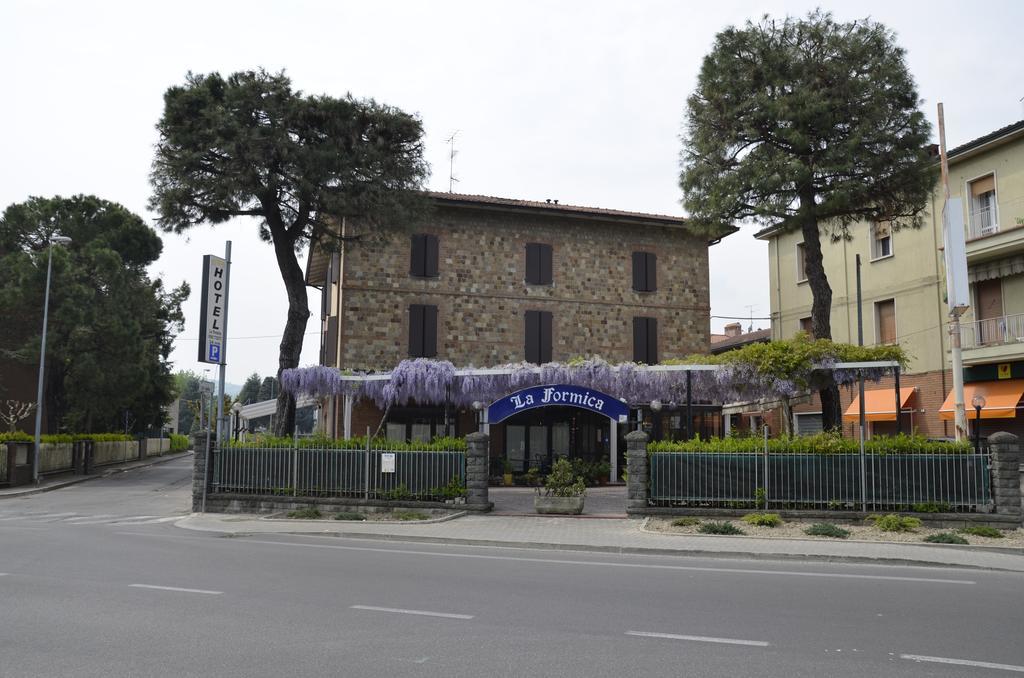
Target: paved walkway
613, 536
59, 480
608, 501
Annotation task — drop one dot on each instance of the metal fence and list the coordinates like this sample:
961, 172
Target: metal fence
326, 472
890, 482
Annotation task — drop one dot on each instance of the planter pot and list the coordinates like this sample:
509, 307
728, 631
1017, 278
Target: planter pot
508, 479
559, 505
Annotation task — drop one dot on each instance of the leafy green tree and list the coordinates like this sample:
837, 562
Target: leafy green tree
809, 125
188, 388
250, 146
250, 392
110, 326
268, 389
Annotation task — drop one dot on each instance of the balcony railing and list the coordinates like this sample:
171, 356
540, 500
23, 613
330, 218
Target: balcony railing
1004, 329
983, 222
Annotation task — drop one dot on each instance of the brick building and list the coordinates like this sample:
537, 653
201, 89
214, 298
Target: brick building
492, 281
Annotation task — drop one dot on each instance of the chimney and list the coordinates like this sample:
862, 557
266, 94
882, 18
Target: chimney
733, 330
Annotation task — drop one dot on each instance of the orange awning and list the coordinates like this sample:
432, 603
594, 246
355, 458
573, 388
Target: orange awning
1001, 398
879, 404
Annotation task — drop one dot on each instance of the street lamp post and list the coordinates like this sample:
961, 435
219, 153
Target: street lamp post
237, 409
54, 240
978, 402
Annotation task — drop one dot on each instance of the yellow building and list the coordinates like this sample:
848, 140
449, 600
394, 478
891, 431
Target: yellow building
904, 293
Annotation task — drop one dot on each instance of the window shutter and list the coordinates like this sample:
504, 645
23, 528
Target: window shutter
887, 322
430, 254
415, 331
639, 272
416, 259
545, 265
639, 338
545, 337
325, 293
652, 341
331, 349
429, 331
533, 337
983, 186
651, 266
532, 264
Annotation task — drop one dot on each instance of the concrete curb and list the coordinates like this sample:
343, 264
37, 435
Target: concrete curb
312, 521
107, 472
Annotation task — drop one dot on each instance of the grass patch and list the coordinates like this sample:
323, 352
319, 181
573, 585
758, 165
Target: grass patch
724, 527
349, 515
930, 507
409, 515
945, 538
308, 513
685, 521
763, 519
827, 530
894, 523
983, 531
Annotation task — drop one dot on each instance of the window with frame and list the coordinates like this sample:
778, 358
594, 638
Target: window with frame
422, 331
645, 272
881, 240
801, 262
538, 337
645, 340
423, 256
885, 321
984, 215
538, 264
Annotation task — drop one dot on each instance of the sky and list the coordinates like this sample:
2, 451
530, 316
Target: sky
577, 101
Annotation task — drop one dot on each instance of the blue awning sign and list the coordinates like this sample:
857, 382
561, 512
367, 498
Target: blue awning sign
557, 395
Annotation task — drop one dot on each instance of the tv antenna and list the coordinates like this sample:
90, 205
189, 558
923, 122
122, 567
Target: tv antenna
451, 160
750, 310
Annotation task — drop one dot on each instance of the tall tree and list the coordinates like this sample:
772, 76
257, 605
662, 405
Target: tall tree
250, 146
270, 388
110, 326
250, 392
809, 125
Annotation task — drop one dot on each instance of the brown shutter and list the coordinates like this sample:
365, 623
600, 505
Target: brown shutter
983, 186
639, 337
652, 341
331, 349
415, 331
639, 271
429, 331
651, 266
887, 322
532, 330
416, 258
545, 337
430, 253
534, 263
545, 265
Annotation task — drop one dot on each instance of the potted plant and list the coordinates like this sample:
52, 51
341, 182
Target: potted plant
508, 473
562, 491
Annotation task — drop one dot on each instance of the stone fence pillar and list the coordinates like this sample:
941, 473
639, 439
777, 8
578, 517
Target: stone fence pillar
199, 469
1006, 472
477, 468
638, 484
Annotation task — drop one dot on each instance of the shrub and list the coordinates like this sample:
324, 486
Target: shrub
821, 443
685, 521
894, 523
760, 497
562, 482
723, 527
409, 515
178, 442
452, 490
349, 515
930, 507
308, 513
401, 491
438, 444
763, 519
827, 530
983, 531
945, 538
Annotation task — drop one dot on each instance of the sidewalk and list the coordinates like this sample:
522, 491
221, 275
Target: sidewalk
604, 535
59, 480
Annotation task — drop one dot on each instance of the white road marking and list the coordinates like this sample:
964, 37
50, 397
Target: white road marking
422, 613
53, 515
132, 519
963, 662
699, 639
175, 588
78, 521
3, 574
648, 566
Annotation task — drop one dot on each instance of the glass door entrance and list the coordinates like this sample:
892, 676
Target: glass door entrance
538, 437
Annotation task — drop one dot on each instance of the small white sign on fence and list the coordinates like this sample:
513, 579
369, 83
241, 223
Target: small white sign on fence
387, 462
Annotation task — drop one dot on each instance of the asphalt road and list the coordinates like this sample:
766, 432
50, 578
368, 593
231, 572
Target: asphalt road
120, 594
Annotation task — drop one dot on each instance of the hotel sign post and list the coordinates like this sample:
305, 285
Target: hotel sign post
213, 323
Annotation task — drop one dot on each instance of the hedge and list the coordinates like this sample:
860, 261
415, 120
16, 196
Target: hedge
439, 444
822, 443
64, 438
